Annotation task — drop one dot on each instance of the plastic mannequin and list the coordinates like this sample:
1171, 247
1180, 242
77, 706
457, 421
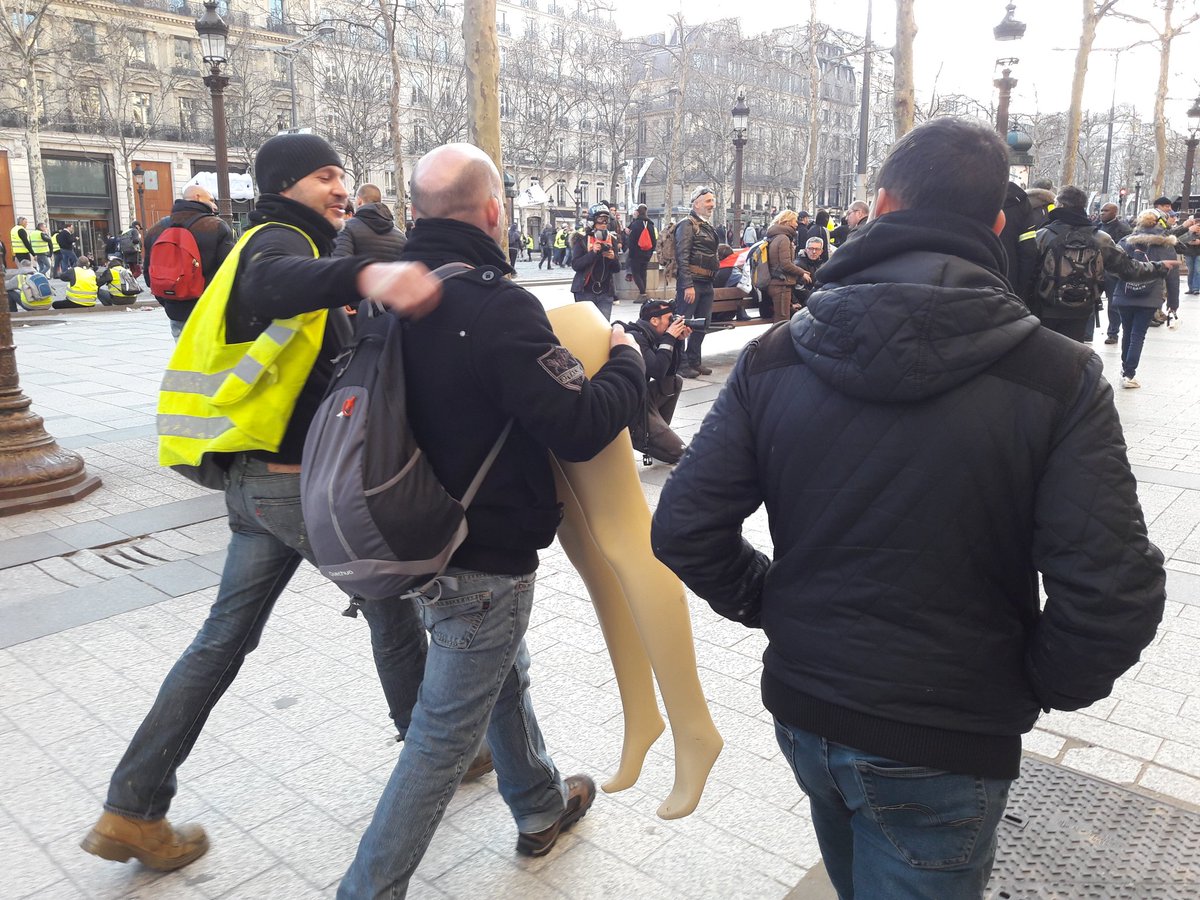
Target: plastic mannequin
641, 605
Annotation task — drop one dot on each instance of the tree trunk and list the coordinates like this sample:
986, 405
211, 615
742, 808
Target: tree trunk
808, 188
1160, 99
482, 59
1091, 17
387, 13
33, 141
905, 103
673, 163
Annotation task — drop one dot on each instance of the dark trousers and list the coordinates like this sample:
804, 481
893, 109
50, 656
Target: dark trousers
1075, 329
639, 261
547, 257
700, 308
661, 442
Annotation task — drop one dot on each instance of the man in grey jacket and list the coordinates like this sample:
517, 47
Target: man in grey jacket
372, 232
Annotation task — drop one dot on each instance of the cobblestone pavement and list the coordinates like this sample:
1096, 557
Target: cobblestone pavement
98, 598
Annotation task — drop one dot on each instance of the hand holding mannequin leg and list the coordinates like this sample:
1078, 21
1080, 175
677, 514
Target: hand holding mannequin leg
606, 534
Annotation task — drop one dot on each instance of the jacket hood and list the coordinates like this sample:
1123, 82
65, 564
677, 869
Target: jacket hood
1150, 237
376, 216
913, 307
776, 230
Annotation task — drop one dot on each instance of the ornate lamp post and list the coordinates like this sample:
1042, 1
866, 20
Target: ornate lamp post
741, 124
1137, 191
1192, 141
139, 179
1005, 83
214, 34
578, 202
1009, 28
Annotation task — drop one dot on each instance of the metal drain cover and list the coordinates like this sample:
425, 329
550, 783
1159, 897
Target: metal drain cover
1066, 836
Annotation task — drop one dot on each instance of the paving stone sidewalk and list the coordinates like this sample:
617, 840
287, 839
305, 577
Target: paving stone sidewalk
98, 599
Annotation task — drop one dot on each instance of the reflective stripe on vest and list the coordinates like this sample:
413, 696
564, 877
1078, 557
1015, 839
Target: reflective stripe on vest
37, 241
225, 398
83, 291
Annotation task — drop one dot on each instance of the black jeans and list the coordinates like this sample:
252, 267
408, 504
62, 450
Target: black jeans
638, 263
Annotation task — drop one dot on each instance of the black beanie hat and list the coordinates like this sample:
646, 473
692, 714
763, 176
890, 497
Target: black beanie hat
286, 158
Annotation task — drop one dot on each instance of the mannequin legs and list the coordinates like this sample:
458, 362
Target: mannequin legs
640, 604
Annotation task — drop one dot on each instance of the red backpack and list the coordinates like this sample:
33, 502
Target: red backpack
175, 269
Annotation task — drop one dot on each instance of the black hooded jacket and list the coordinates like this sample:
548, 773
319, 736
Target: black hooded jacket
952, 449
370, 232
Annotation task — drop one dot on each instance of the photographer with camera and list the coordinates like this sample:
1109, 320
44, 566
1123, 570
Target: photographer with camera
660, 335
594, 259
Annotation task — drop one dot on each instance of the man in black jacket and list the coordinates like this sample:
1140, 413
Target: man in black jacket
300, 179
660, 335
952, 449
696, 253
484, 358
371, 231
639, 256
1068, 280
1112, 225
196, 211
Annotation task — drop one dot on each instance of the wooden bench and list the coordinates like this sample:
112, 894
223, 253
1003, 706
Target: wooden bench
734, 300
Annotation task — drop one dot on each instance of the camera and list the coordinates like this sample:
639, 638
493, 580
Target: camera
694, 324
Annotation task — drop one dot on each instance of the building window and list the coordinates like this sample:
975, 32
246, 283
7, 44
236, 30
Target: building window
141, 109
275, 10
89, 100
389, 182
183, 57
191, 112
139, 47
279, 68
84, 44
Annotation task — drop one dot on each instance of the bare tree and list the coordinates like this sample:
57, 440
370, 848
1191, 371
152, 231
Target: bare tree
22, 25
1164, 36
904, 104
254, 109
1093, 12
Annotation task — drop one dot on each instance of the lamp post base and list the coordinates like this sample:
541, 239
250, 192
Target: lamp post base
34, 471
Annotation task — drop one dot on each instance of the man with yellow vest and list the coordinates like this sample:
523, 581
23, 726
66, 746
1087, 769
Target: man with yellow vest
39, 242
286, 295
82, 290
117, 285
18, 239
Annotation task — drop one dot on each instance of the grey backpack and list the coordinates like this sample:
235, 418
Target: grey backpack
379, 522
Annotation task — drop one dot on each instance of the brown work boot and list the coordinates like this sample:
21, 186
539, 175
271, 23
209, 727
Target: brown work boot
581, 791
480, 765
155, 844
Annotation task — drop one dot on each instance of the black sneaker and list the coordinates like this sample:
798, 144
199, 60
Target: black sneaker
704, 370
581, 792
1111, 339
688, 372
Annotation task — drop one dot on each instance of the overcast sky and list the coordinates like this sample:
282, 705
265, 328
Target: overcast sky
955, 50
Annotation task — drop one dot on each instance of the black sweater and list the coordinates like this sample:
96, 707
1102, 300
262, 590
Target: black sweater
485, 355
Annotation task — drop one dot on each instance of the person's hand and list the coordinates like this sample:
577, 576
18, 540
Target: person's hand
609, 252
407, 289
678, 330
689, 295
1171, 263
620, 338
807, 276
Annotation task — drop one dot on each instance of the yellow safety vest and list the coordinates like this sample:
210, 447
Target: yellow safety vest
15, 242
115, 285
54, 248
37, 241
560, 241
83, 291
218, 397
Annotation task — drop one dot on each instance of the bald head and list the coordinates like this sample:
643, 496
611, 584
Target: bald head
197, 194
368, 193
457, 181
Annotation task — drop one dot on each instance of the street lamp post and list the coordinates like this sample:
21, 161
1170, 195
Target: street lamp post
864, 116
139, 179
1192, 141
290, 52
1005, 83
578, 201
214, 33
1009, 28
1137, 191
741, 124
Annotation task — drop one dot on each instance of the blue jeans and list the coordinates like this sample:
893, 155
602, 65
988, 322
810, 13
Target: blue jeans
69, 260
891, 831
478, 668
266, 546
1193, 276
700, 308
1136, 322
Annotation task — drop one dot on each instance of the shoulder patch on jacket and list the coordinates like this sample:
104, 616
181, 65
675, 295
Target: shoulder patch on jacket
564, 368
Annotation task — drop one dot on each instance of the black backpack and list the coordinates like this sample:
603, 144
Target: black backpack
1072, 269
379, 521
